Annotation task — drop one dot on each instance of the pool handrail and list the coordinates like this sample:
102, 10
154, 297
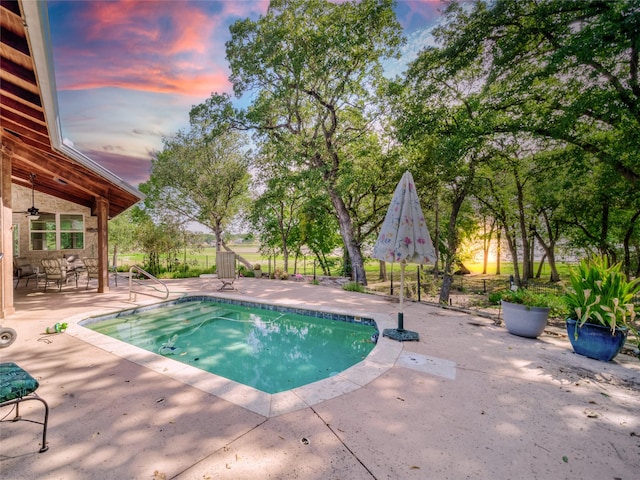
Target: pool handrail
140, 271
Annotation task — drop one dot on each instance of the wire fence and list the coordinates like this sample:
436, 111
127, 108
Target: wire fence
417, 287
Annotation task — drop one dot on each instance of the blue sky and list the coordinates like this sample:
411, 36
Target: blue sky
129, 71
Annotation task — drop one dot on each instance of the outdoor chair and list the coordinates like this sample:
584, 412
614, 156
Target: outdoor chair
17, 386
23, 269
91, 267
73, 265
54, 271
226, 269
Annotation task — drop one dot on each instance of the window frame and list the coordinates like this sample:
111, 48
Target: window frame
58, 232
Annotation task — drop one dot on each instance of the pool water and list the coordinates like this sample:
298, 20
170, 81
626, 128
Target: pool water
269, 350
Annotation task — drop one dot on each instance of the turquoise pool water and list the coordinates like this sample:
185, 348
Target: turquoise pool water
269, 348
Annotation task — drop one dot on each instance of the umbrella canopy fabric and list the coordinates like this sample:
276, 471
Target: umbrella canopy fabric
404, 236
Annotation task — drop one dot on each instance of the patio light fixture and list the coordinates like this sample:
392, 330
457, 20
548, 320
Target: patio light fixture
33, 211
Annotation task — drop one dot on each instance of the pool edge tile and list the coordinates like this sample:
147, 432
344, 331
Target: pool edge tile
383, 356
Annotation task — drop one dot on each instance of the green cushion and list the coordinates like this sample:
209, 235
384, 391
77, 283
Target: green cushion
15, 382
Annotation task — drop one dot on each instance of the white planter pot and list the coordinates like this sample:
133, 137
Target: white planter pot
524, 321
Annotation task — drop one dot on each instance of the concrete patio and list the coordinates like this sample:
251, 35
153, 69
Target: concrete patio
468, 400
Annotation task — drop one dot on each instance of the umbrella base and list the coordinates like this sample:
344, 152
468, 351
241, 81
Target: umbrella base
400, 335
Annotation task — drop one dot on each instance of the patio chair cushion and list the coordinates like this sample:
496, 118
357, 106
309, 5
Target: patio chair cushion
15, 382
22, 267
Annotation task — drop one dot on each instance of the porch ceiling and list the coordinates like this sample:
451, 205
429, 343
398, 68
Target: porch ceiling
28, 129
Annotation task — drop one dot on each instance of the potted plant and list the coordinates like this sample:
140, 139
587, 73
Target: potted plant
601, 312
257, 270
525, 312
280, 274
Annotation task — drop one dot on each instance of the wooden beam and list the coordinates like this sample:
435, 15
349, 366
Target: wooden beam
102, 211
25, 109
59, 167
6, 237
25, 120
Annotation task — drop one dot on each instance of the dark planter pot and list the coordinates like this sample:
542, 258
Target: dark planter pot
524, 321
596, 341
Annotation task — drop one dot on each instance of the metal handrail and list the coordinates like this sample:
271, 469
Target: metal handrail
140, 271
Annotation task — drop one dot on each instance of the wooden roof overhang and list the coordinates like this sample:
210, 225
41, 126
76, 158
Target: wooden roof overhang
29, 124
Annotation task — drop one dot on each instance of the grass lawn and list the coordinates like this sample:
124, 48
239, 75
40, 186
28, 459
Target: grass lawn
203, 260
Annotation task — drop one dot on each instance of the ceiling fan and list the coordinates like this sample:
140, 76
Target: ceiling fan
33, 213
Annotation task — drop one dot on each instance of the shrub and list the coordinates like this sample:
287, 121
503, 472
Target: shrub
353, 287
280, 275
522, 296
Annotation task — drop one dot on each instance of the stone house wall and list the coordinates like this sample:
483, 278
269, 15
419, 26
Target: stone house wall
21, 201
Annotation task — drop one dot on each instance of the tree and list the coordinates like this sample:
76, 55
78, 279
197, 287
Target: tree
123, 232
563, 70
201, 178
275, 215
442, 115
313, 67
291, 212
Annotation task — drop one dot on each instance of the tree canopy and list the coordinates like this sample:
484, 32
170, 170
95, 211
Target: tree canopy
524, 114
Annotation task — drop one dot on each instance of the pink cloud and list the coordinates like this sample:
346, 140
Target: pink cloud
131, 169
138, 78
165, 47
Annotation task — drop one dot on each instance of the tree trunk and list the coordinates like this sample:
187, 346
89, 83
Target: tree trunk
513, 249
486, 244
115, 257
436, 242
498, 250
285, 256
452, 243
627, 240
452, 234
549, 249
542, 260
447, 281
346, 229
383, 271
527, 267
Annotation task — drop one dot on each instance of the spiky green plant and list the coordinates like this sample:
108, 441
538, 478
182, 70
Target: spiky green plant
601, 294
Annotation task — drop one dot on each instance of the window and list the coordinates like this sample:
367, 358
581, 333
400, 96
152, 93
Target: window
71, 232
52, 231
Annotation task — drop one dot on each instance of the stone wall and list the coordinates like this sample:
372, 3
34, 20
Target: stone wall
21, 201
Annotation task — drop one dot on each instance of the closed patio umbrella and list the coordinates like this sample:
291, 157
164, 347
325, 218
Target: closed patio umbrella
404, 238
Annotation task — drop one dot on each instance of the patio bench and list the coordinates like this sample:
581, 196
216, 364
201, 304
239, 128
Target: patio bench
17, 386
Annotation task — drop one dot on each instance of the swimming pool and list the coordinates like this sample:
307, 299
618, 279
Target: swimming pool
267, 347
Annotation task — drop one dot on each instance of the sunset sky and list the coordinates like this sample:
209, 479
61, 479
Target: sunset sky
129, 71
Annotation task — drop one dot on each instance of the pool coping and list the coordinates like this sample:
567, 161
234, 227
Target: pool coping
383, 356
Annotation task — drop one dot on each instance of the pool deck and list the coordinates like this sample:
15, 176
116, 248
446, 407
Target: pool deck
468, 400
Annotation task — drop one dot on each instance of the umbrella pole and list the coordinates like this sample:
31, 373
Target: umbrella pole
400, 333
401, 310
